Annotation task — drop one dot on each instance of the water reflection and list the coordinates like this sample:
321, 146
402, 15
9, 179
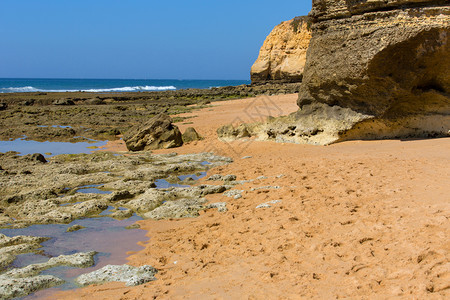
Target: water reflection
55, 148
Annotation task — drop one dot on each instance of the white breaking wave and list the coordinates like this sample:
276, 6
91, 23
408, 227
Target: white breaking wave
29, 89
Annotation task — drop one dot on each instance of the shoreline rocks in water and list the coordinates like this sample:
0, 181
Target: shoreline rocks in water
11, 247
48, 193
24, 281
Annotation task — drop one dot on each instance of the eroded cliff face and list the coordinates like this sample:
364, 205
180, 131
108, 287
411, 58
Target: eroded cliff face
374, 69
283, 54
387, 60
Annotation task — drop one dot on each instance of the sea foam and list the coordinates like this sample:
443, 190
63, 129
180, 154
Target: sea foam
29, 89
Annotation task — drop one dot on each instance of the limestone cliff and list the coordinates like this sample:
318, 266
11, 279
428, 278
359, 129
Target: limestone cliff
283, 54
374, 69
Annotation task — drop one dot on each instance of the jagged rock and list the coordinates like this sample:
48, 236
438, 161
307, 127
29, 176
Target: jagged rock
148, 201
120, 195
283, 54
63, 102
316, 123
35, 157
75, 228
184, 208
190, 135
221, 206
157, 133
218, 177
215, 177
268, 204
387, 61
122, 214
228, 132
28, 102
18, 287
229, 178
10, 247
236, 194
132, 276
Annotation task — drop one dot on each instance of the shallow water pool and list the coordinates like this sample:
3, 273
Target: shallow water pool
55, 148
105, 235
93, 188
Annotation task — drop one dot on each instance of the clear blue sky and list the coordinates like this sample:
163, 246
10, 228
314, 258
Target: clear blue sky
145, 39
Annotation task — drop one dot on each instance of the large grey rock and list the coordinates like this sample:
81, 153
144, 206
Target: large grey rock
386, 60
132, 276
157, 133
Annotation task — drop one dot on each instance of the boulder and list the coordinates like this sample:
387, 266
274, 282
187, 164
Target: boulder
229, 132
283, 54
3, 106
385, 60
157, 133
190, 135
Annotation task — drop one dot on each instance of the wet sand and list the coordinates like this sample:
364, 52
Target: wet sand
360, 219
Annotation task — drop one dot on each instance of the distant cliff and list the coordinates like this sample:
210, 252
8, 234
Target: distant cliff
283, 54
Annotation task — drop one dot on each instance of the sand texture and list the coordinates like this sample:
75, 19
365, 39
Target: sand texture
359, 220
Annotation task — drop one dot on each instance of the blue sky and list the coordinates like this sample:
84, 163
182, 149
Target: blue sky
136, 38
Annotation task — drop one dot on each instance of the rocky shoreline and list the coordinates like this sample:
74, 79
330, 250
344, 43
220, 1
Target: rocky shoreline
80, 116
35, 190
48, 190
341, 221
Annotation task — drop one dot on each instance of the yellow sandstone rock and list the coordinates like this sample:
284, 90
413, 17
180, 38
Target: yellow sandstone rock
283, 54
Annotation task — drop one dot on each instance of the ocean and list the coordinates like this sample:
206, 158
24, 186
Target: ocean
21, 85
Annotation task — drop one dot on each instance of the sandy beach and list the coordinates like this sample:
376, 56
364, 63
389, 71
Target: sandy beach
359, 219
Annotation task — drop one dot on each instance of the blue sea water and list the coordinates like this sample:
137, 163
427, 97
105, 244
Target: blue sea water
20, 85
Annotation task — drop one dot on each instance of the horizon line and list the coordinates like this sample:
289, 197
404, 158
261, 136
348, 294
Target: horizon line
92, 78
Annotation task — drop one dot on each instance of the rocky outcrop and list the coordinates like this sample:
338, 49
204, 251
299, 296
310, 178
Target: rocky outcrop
158, 133
132, 276
11, 247
283, 54
386, 60
24, 281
